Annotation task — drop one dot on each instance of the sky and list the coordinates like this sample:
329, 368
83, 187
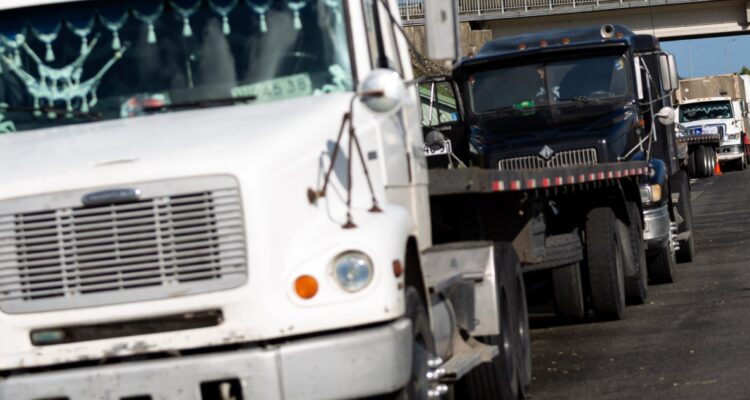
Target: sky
710, 56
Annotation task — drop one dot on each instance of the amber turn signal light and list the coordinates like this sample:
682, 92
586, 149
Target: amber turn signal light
306, 287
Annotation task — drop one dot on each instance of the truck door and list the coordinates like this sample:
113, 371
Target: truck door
441, 110
392, 129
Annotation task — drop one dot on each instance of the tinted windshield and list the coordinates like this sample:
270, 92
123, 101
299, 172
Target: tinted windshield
705, 110
540, 84
83, 61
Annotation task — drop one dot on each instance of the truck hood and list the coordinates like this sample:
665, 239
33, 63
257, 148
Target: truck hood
609, 131
125, 150
276, 152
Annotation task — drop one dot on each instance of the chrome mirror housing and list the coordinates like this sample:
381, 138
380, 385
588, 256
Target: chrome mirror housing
666, 116
382, 91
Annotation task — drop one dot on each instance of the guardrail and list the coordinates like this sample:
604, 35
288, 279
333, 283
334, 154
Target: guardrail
414, 9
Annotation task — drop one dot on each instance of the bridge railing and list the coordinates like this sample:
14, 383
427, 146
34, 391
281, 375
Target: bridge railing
414, 9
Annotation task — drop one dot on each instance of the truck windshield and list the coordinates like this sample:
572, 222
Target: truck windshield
92, 60
705, 110
534, 85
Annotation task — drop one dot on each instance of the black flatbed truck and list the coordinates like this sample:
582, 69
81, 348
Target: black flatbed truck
578, 223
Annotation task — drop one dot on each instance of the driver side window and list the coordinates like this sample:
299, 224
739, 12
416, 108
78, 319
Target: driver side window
438, 104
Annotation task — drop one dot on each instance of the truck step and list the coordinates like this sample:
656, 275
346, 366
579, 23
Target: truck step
470, 354
559, 250
447, 264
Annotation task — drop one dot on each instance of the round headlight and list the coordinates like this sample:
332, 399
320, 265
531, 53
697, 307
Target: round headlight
352, 271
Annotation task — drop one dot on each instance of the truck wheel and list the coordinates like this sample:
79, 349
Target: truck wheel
691, 165
711, 154
520, 313
422, 351
604, 257
500, 378
740, 164
636, 287
702, 163
568, 286
662, 267
685, 209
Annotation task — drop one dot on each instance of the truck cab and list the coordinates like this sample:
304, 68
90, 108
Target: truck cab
715, 106
717, 115
178, 217
576, 98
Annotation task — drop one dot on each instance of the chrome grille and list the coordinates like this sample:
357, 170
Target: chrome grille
159, 246
567, 158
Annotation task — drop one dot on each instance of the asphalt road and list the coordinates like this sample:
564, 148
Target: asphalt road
691, 340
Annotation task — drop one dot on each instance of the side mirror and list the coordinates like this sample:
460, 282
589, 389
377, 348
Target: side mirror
664, 73
441, 28
666, 116
674, 76
435, 140
382, 91
638, 77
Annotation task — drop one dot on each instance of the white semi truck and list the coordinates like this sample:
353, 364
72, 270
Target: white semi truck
218, 199
713, 117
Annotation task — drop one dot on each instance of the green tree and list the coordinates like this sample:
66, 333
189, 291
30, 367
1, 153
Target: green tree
745, 70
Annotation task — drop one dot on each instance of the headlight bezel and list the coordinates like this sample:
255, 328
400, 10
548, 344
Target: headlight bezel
339, 274
681, 130
650, 193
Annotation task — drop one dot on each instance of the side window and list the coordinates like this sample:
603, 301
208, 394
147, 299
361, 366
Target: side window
372, 34
438, 103
390, 48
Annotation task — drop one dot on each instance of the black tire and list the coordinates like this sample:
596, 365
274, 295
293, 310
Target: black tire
692, 171
567, 283
520, 315
662, 266
422, 351
500, 378
684, 207
605, 265
702, 163
636, 287
739, 164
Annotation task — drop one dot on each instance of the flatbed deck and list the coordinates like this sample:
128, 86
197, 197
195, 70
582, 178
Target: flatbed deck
475, 180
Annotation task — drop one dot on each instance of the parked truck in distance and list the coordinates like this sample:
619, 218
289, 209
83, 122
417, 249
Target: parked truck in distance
713, 121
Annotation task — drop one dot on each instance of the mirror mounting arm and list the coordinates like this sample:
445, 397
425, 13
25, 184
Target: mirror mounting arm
347, 121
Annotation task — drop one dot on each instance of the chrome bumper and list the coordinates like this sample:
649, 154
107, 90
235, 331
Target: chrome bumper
354, 364
730, 152
656, 225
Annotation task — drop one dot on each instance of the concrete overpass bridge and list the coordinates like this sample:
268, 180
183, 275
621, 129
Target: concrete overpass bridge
667, 19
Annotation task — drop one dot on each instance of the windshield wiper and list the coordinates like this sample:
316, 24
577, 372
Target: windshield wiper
226, 101
582, 100
514, 110
53, 112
